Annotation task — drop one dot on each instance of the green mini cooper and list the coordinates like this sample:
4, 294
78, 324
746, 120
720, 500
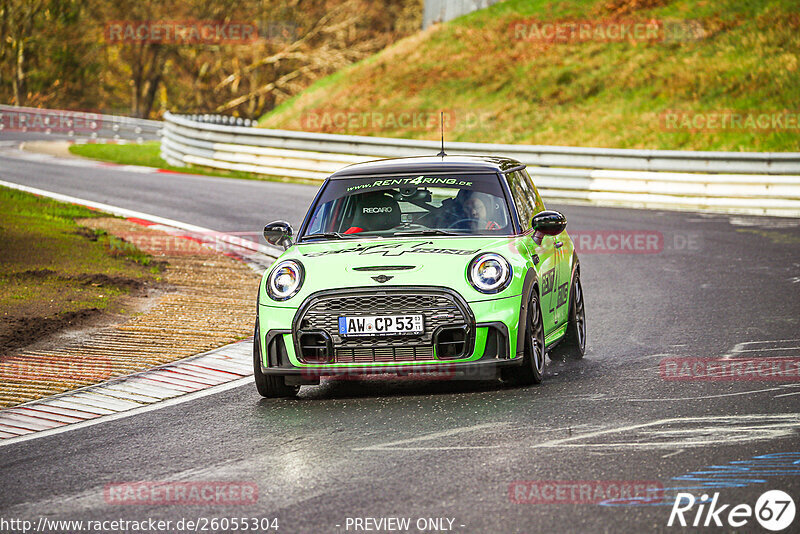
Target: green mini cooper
445, 265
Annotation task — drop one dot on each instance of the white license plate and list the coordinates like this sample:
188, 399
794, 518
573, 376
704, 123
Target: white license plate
381, 325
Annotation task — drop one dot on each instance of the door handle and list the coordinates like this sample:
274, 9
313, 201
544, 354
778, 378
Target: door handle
558, 244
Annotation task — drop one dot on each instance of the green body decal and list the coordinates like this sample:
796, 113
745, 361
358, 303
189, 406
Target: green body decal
439, 263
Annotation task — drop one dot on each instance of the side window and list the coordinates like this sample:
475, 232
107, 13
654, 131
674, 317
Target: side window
318, 219
524, 195
538, 202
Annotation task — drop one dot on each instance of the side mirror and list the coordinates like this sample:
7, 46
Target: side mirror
549, 222
279, 234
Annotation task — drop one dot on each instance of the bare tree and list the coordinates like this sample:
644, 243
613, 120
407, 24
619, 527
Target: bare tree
58, 52
19, 19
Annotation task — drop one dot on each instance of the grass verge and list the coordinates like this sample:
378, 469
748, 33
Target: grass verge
55, 272
148, 154
499, 79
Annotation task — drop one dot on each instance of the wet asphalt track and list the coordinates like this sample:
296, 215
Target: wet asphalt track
422, 449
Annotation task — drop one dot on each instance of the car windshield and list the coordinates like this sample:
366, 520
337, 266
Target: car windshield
392, 206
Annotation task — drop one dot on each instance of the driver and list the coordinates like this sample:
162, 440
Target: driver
478, 208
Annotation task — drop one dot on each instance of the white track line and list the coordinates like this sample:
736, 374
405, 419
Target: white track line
124, 212
136, 411
434, 435
32, 419
782, 424
686, 432
720, 395
174, 383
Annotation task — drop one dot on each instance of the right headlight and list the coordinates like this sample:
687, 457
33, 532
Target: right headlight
285, 280
489, 273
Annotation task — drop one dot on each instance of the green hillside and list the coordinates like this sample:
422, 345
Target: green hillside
499, 79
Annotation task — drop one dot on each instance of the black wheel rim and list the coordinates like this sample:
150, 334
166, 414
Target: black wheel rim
535, 336
580, 318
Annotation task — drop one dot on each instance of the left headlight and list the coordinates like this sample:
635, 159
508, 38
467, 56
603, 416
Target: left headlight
285, 280
489, 273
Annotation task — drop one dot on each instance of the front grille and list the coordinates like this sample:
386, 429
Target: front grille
381, 303
379, 268
384, 354
438, 308
315, 347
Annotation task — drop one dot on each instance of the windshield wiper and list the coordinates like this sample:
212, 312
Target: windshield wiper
429, 231
328, 235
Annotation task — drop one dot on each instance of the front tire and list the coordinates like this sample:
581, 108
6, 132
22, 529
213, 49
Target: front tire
532, 369
269, 386
573, 346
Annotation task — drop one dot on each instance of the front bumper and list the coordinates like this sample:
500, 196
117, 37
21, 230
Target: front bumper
276, 361
484, 369
493, 327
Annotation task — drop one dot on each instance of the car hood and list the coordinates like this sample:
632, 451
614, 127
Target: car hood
428, 261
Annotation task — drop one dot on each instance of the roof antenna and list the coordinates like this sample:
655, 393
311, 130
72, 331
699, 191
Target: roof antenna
442, 154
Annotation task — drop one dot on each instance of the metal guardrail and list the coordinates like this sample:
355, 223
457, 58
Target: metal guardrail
552, 156
735, 182
443, 10
77, 124
221, 119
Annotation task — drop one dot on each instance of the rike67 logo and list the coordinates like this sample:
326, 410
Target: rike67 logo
774, 510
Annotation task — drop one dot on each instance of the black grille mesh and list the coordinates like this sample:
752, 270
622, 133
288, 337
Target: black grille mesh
384, 354
438, 309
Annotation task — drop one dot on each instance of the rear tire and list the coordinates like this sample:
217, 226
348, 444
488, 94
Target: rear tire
573, 345
532, 369
269, 386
